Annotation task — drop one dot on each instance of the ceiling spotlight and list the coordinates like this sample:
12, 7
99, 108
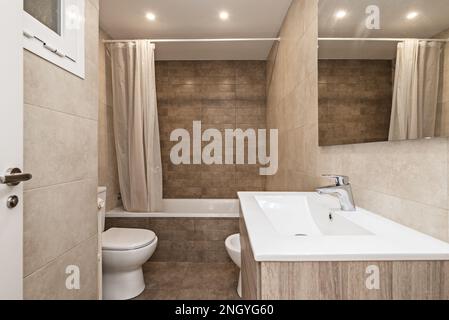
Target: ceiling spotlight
412, 15
341, 14
224, 15
151, 16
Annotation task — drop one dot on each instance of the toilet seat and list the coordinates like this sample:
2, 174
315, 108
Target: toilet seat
122, 239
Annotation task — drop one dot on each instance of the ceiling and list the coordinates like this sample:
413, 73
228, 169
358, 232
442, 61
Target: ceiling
432, 20
197, 19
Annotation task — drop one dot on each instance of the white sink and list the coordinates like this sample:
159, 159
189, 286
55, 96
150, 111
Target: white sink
311, 227
306, 215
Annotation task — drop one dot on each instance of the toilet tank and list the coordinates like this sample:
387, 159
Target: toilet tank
102, 206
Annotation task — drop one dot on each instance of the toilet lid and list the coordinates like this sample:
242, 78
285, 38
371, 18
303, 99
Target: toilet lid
121, 239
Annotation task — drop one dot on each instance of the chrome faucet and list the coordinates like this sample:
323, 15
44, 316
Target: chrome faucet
342, 190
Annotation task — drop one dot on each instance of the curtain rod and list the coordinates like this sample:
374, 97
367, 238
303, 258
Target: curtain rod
198, 40
380, 39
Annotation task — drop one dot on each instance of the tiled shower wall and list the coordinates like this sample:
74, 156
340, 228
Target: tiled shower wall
60, 150
405, 181
222, 95
354, 101
195, 240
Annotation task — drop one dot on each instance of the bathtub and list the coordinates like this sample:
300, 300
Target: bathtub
186, 208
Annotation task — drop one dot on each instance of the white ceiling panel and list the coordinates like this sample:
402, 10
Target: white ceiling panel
197, 19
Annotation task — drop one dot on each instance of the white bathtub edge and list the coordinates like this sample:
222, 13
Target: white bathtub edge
115, 214
186, 208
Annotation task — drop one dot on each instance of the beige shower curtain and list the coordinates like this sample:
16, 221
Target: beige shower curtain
415, 95
136, 126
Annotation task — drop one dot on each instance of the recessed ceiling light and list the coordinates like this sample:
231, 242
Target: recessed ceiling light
224, 15
151, 16
412, 15
340, 14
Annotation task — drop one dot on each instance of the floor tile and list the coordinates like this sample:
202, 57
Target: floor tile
190, 281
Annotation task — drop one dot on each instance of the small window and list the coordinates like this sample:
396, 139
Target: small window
47, 12
54, 30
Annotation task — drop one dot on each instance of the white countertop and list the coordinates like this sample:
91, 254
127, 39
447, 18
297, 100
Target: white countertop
387, 241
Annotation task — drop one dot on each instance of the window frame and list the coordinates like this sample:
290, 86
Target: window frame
65, 50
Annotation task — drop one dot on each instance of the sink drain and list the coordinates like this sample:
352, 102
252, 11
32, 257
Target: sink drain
300, 235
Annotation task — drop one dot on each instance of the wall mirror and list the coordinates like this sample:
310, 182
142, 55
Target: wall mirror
383, 70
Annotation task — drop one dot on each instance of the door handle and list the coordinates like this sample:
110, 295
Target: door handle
14, 177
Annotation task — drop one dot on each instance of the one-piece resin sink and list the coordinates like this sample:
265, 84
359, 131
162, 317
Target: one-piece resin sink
311, 227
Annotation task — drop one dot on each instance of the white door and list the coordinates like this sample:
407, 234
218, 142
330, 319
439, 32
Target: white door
11, 148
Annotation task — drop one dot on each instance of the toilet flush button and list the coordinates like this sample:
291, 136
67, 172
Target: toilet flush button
12, 202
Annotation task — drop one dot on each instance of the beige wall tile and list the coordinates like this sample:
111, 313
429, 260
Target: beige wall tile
95, 3
49, 283
59, 147
105, 71
56, 219
421, 217
49, 86
60, 150
91, 39
413, 170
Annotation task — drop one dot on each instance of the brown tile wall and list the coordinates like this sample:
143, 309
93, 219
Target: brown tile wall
195, 240
354, 101
223, 95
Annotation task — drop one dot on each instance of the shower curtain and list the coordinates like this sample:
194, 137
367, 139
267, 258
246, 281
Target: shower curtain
415, 94
136, 126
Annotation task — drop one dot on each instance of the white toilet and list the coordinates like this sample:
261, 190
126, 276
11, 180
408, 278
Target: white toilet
124, 253
234, 250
